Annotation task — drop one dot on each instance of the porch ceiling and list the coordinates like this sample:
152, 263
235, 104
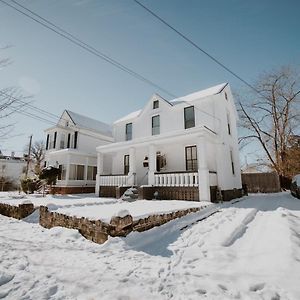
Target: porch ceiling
160, 139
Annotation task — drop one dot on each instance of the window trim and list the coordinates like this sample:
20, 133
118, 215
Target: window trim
185, 120
126, 166
155, 104
232, 162
152, 127
126, 132
193, 160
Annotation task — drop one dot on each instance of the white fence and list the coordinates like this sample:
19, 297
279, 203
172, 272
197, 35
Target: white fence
176, 179
113, 180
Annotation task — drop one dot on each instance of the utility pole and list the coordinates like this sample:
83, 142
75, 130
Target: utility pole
29, 153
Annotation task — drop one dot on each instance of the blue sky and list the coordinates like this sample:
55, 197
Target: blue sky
248, 36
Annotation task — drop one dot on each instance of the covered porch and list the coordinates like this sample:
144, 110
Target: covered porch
178, 166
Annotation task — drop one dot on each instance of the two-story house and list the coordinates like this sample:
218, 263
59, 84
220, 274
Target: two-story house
186, 148
71, 146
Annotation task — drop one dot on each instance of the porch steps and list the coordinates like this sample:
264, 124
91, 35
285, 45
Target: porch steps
130, 194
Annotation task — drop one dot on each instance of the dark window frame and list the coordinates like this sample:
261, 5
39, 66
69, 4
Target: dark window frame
128, 134
187, 121
232, 162
126, 164
191, 164
155, 104
154, 127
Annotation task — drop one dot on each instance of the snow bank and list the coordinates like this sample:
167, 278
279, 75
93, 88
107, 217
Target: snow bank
138, 209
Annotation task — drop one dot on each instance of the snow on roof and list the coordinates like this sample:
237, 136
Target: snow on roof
129, 116
200, 94
194, 96
88, 123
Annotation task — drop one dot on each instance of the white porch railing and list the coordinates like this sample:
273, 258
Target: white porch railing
113, 180
176, 179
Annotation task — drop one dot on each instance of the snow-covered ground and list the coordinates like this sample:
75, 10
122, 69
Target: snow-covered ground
138, 209
246, 250
14, 198
95, 208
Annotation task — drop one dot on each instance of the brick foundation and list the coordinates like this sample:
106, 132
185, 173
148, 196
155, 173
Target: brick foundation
228, 195
73, 189
17, 212
169, 193
108, 191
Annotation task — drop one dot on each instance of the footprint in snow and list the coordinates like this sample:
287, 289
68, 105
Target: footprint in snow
257, 287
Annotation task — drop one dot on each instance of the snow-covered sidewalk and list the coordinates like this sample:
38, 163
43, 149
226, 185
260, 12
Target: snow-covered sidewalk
247, 250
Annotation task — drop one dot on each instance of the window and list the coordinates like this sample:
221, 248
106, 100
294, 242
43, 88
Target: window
76, 172
75, 139
189, 117
155, 125
128, 131
232, 162
62, 141
69, 140
62, 175
126, 164
226, 97
228, 124
54, 142
91, 174
191, 163
155, 104
47, 142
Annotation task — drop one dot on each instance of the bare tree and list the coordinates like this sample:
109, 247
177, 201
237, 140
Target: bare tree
11, 101
38, 156
271, 116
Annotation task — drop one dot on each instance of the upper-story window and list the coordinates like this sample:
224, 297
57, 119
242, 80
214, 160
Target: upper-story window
189, 117
228, 124
155, 125
128, 132
232, 162
62, 141
155, 104
226, 97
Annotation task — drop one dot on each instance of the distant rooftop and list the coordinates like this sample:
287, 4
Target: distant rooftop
89, 123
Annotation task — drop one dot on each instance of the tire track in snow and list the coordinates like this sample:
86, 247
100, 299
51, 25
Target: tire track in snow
241, 229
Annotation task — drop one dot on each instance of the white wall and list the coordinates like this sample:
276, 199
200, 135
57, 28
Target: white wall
12, 169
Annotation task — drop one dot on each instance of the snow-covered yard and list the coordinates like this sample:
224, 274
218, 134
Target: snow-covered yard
95, 208
247, 250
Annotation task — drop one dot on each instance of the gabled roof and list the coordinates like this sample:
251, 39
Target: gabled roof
88, 123
194, 96
200, 94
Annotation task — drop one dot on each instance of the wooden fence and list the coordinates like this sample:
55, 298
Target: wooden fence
261, 182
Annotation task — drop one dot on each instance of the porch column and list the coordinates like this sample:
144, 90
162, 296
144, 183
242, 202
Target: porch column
99, 172
68, 169
132, 167
203, 172
86, 169
152, 164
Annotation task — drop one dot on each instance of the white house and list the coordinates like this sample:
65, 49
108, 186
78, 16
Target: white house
71, 146
12, 168
186, 148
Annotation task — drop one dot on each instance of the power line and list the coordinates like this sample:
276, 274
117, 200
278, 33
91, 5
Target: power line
197, 46
73, 39
87, 47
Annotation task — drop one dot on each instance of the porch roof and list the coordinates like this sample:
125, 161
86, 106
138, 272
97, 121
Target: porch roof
160, 139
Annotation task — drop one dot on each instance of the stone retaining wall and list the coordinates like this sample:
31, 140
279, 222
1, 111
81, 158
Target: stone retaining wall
17, 212
98, 231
